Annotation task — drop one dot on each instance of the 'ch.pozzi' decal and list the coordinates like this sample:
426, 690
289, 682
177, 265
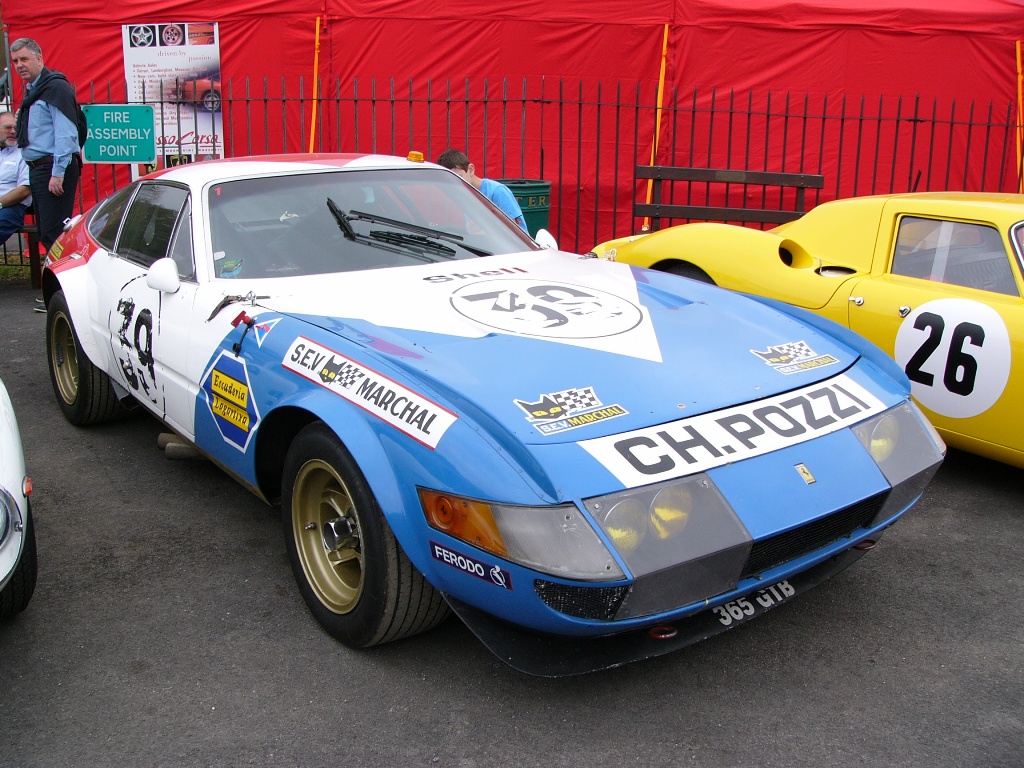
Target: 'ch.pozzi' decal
709, 440
229, 398
794, 357
568, 409
405, 410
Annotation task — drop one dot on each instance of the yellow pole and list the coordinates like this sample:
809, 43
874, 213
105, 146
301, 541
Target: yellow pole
316, 84
1020, 121
657, 120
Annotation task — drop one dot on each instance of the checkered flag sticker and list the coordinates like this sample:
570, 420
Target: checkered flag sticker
577, 399
783, 354
340, 373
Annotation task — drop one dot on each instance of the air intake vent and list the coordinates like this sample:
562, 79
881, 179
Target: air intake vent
783, 547
599, 603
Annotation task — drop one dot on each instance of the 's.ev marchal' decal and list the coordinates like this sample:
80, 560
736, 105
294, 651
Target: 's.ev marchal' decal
568, 409
229, 398
405, 410
709, 440
793, 357
494, 574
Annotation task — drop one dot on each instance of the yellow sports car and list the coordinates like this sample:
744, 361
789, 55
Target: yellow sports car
935, 279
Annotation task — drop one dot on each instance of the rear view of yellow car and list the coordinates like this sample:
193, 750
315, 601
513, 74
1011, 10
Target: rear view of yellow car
934, 279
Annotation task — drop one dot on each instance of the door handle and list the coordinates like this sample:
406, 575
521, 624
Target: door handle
904, 310
859, 301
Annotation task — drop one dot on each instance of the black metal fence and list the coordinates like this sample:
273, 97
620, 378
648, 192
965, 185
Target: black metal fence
586, 138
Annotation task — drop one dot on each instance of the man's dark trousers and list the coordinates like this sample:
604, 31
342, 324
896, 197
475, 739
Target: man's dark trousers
51, 210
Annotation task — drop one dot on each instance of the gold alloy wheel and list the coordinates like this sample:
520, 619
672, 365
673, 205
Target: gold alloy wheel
325, 525
64, 358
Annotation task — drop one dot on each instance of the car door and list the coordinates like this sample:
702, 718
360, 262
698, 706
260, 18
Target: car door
949, 310
148, 329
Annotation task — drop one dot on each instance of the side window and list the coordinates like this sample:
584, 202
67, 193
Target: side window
149, 223
953, 252
1017, 236
181, 245
107, 219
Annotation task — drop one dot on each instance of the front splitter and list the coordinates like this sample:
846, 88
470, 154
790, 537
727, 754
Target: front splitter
545, 655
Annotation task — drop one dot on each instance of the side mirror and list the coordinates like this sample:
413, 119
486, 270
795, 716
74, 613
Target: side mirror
163, 276
545, 239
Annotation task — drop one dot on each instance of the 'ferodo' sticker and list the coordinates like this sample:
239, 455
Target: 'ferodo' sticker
956, 353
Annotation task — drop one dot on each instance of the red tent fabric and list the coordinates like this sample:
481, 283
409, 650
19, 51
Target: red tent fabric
928, 47
962, 49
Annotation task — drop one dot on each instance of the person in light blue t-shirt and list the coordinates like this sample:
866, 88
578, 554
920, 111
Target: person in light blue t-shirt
495, 191
14, 189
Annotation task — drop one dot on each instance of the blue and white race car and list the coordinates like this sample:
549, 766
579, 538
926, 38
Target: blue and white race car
589, 463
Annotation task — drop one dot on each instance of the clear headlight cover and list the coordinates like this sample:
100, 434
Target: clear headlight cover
901, 441
907, 449
557, 540
660, 526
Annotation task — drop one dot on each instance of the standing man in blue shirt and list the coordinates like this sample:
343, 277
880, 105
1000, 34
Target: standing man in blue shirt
48, 136
14, 191
495, 191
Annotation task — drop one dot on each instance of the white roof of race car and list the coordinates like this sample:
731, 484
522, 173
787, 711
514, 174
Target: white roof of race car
199, 174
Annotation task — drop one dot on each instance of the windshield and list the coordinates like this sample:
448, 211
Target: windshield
342, 221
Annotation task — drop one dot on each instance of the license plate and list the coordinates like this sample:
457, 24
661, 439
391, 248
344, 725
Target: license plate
743, 608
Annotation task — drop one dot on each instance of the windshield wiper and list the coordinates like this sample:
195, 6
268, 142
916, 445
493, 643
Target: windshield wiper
436, 234
413, 241
342, 219
375, 242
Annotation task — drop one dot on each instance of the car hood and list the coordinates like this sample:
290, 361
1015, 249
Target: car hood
556, 347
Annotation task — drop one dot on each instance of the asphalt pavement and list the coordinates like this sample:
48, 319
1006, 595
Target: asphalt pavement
166, 630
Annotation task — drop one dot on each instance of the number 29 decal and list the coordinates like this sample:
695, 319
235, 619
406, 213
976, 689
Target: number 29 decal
956, 353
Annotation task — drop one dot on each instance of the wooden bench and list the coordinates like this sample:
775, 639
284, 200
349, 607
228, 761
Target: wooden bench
656, 210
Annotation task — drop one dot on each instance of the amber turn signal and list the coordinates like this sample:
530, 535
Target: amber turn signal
465, 519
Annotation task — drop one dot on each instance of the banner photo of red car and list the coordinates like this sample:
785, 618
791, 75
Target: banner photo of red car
177, 68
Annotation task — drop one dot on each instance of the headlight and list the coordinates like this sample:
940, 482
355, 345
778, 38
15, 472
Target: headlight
901, 441
660, 526
557, 540
883, 438
906, 448
681, 540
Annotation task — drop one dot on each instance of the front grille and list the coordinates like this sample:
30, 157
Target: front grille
598, 603
783, 547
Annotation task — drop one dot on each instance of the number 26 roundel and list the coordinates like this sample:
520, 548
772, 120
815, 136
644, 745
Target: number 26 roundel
956, 353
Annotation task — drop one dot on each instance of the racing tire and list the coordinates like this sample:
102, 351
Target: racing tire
15, 596
691, 271
84, 392
356, 580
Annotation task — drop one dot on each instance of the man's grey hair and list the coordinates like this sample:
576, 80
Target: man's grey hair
27, 42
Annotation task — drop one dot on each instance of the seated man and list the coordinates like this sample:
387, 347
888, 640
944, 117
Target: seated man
14, 191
